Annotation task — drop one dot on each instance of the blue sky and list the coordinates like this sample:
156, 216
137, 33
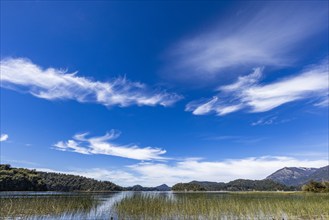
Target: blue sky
164, 92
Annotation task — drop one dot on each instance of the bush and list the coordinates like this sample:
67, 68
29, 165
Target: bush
317, 187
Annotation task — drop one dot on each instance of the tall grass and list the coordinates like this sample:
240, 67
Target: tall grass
151, 205
225, 206
44, 206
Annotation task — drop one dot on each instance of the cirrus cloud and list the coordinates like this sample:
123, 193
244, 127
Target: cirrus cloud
54, 84
249, 93
82, 144
258, 34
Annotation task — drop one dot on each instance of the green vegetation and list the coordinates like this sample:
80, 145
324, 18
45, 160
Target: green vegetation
188, 187
56, 205
211, 186
225, 205
19, 179
257, 185
154, 205
316, 187
67, 183
236, 185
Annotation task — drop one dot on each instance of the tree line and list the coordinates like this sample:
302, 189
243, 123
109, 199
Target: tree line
20, 179
236, 185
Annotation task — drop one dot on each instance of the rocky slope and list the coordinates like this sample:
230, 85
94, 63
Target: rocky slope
297, 176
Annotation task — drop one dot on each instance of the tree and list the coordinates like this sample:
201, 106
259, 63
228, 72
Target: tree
316, 187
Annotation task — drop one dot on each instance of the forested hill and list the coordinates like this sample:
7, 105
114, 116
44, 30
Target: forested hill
19, 179
66, 182
236, 185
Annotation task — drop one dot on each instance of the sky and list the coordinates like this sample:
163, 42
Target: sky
164, 92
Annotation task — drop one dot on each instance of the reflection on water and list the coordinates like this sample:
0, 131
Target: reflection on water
162, 205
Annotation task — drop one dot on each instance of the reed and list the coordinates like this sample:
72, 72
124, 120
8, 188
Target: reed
27, 206
151, 205
225, 206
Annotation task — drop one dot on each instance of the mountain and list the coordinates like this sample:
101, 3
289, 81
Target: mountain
297, 176
162, 187
136, 188
321, 174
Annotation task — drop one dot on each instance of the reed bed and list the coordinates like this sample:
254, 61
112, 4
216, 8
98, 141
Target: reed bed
225, 206
26, 207
151, 205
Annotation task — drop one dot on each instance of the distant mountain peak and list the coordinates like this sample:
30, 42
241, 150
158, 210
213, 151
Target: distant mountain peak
296, 176
163, 187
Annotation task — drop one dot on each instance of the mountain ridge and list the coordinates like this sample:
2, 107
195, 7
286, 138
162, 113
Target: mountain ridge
297, 176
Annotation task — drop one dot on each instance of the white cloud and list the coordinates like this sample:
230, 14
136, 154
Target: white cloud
324, 102
4, 137
269, 120
261, 34
55, 84
265, 121
235, 138
153, 174
102, 145
218, 171
248, 93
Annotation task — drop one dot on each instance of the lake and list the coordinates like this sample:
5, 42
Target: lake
164, 205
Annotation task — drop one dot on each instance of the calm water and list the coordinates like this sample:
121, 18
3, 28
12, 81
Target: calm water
161, 205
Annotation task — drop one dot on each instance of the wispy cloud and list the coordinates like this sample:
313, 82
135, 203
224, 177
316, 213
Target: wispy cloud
235, 139
261, 34
248, 93
264, 121
324, 102
54, 84
270, 120
4, 137
80, 143
155, 173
